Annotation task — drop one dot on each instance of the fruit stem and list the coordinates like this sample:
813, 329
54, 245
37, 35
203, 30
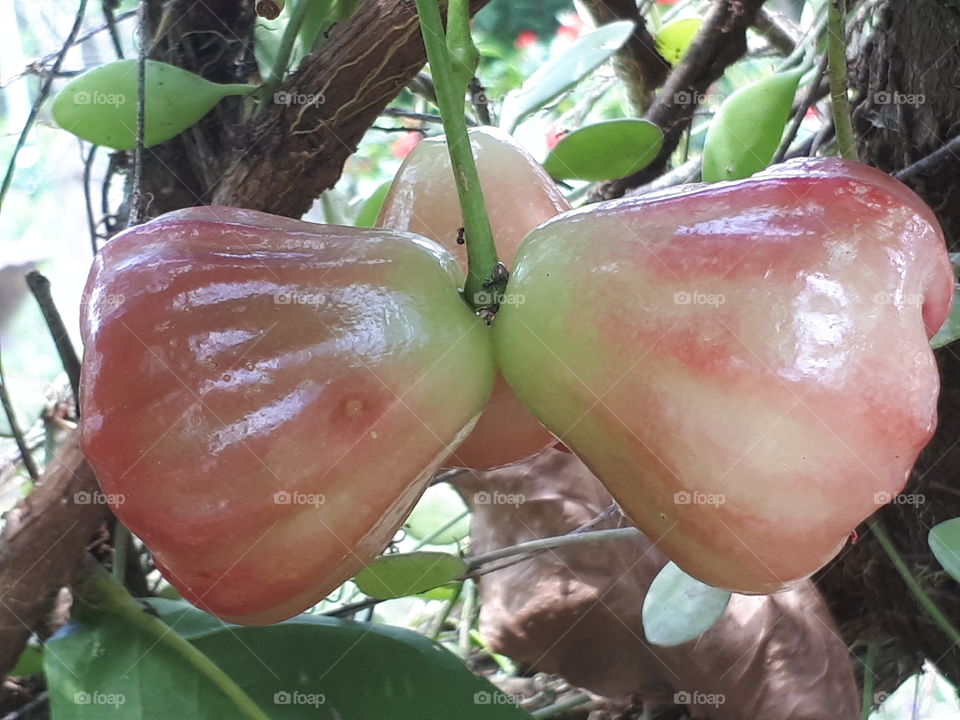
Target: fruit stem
837, 53
282, 60
451, 75
926, 602
100, 593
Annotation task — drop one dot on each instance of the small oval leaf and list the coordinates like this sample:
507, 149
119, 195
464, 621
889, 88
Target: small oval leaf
605, 150
679, 608
432, 517
675, 37
101, 104
393, 576
563, 72
944, 541
746, 131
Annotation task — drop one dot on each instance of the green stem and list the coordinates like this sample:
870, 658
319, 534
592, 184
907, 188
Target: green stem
866, 707
562, 706
926, 602
104, 594
836, 50
445, 612
451, 90
282, 60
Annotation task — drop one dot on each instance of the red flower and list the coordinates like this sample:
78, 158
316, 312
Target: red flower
405, 143
525, 39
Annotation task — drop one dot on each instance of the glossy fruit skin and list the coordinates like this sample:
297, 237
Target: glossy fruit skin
745, 366
265, 399
519, 196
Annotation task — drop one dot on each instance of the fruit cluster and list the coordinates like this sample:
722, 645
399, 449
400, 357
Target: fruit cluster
744, 365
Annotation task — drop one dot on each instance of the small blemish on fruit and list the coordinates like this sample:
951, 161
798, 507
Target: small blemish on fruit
353, 408
227, 377
374, 434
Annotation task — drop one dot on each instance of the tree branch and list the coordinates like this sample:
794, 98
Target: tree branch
43, 545
299, 144
719, 43
640, 66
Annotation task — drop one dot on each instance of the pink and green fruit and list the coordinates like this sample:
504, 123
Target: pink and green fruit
745, 365
519, 196
265, 399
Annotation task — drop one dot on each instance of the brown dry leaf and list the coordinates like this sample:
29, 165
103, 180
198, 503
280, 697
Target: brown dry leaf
575, 611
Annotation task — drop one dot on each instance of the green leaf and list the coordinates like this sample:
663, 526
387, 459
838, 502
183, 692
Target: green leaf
561, 73
370, 208
950, 330
679, 608
944, 541
605, 150
101, 104
440, 506
393, 576
314, 667
444, 592
744, 134
675, 37
30, 662
117, 660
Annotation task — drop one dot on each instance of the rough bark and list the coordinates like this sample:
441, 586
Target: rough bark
720, 42
641, 68
42, 546
296, 150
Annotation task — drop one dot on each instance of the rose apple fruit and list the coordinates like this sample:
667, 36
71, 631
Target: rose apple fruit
519, 196
265, 399
745, 365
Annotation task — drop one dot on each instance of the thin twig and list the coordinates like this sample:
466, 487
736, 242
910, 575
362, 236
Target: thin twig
41, 98
40, 287
411, 115
814, 93
27, 710
921, 596
88, 197
541, 544
949, 152
38, 66
108, 8
136, 193
16, 430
